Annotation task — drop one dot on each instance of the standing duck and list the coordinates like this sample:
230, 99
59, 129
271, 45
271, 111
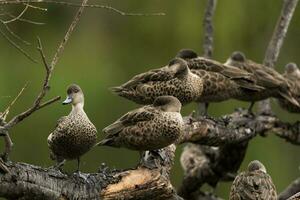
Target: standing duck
292, 74
175, 79
253, 184
74, 134
151, 127
274, 83
220, 82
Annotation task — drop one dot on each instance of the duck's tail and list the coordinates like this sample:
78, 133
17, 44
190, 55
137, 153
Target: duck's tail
288, 96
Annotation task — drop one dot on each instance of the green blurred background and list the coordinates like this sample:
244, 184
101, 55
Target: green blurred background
107, 49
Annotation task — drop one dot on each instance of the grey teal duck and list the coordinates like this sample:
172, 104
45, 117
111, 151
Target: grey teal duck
150, 127
74, 134
274, 83
175, 79
253, 184
220, 82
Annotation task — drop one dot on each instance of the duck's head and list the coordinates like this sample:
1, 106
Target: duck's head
292, 68
179, 66
187, 54
74, 96
167, 103
256, 165
236, 59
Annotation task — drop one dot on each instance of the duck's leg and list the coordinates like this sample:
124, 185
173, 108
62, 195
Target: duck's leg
78, 173
78, 164
250, 108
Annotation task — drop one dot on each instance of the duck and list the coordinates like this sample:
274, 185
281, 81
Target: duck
74, 134
292, 75
253, 184
274, 83
220, 82
175, 79
148, 128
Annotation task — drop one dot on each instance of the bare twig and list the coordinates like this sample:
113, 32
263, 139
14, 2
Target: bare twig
17, 17
87, 5
276, 42
24, 20
14, 34
209, 28
17, 46
6, 112
61, 47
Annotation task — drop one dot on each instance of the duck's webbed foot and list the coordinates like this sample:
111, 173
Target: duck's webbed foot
82, 176
150, 159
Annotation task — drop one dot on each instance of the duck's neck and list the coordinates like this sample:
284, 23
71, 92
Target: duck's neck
78, 108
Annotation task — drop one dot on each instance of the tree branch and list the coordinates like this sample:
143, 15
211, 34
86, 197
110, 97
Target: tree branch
78, 5
209, 28
292, 189
276, 42
28, 182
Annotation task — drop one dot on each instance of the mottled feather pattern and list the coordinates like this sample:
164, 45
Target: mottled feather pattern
73, 136
144, 88
146, 128
294, 81
216, 87
255, 185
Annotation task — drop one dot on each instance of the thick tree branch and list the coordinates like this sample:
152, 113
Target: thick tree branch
292, 189
152, 182
276, 42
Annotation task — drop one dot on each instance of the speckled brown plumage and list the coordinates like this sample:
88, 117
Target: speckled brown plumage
253, 184
150, 127
274, 83
220, 82
292, 74
176, 80
74, 134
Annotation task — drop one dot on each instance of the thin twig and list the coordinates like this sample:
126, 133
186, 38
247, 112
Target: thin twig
25, 20
62, 45
17, 17
276, 42
89, 6
17, 46
14, 34
6, 112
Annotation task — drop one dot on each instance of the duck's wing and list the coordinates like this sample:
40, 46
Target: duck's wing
145, 113
160, 74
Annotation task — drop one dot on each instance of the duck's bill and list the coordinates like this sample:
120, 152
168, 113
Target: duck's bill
67, 101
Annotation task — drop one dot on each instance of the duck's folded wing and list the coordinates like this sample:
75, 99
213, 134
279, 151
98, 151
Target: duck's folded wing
145, 113
266, 79
161, 74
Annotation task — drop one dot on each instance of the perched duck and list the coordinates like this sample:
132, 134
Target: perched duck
292, 74
176, 80
254, 184
74, 134
151, 127
220, 82
274, 83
